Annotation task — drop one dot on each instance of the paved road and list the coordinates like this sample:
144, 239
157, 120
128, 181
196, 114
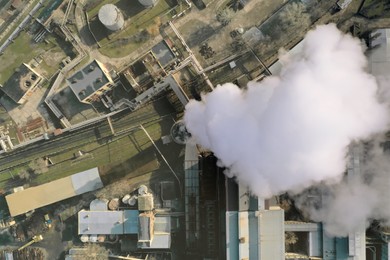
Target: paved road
79, 138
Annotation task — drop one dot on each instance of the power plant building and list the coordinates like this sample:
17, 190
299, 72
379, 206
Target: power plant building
91, 82
111, 17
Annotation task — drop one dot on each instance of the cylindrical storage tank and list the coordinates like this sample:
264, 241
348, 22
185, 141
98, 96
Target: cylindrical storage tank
101, 238
93, 238
126, 198
148, 3
111, 17
113, 204
142, 190
84, 238
132, 200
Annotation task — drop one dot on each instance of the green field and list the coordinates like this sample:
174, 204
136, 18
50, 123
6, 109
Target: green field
375, 9
108, 155
23, 50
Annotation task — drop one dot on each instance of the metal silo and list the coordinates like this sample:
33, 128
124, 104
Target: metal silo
111, 17
148, 3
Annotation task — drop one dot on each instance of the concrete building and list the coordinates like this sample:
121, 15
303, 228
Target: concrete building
91, 82
22, 83
108, 222
145, 202
154, 231
379, 53
252, 231
32, 198
111, 17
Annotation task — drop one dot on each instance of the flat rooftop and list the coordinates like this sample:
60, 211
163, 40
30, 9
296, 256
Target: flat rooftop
88, 80
35, 197
20, 82
108, 222
163, 53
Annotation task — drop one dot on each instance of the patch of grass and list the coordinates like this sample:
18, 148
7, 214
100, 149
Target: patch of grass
4, 176
94, 11
375, 9
16, 53
4, 239
109, 154
23, 50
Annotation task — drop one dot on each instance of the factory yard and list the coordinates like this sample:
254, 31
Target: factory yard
199, 31
100, 87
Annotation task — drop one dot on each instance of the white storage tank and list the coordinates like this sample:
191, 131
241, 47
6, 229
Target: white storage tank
126, 198
111, 17
148, 3
84, 238
132, 200
142, 190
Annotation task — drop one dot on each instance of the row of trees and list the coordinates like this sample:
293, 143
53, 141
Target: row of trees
36, 166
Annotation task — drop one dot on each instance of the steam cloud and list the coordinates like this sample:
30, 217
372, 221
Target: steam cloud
290, 132
360, 197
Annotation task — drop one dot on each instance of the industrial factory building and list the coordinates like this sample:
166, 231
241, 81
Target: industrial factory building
224, 220
108, 222
152, 231
379, 53
22, 83
25, 200
91, 82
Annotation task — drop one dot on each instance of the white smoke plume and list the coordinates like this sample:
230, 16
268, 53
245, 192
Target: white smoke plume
363, 195
291, 131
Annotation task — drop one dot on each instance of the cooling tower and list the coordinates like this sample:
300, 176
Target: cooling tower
179, 133
148, 3
111, 17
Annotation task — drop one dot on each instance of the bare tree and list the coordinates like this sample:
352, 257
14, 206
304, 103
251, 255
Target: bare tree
154, 29
290, 238
38, 166
285, 205
295, 17
24, 174
225, 16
